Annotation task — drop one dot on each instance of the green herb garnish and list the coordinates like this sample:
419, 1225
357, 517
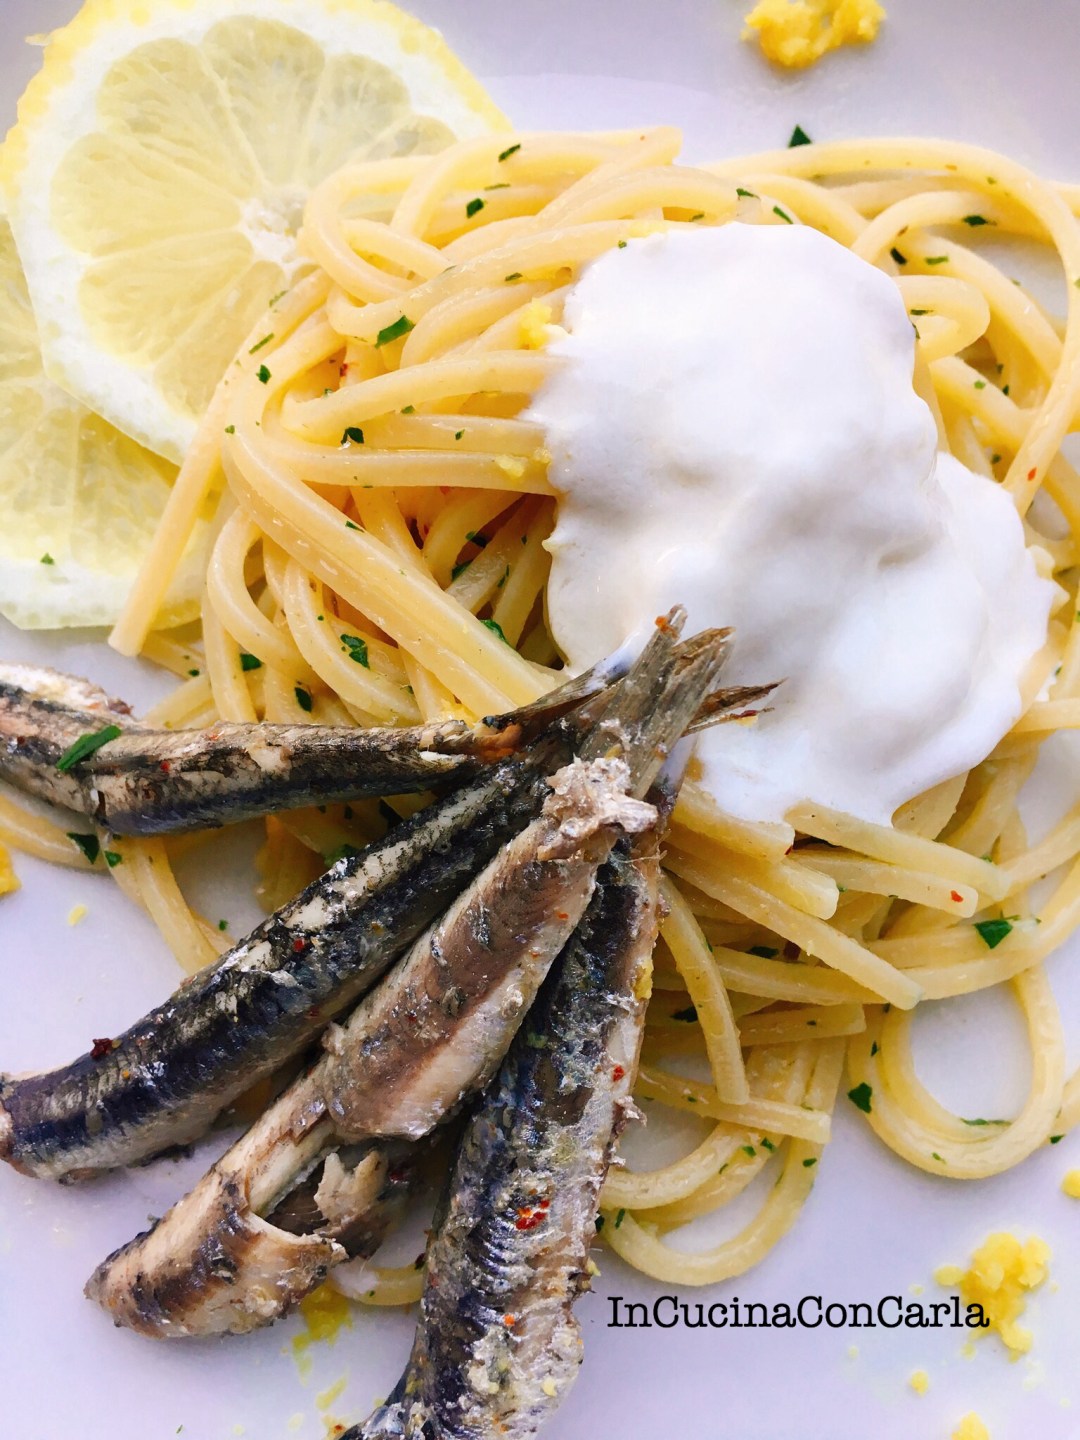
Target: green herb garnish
249, 662
748, 1150
474, 207
401, 326
897, 256
763, 952
353, 433
497, 629
113, 858
619, 1218
992, 932
512, 150
47, 559
264, 341
974, 220
936, 260
85, 746
515, 276
303, 699
860, 1097
745, 194
357, 649
811, 1160
689, 1014
90, 845
262, 374
776, 210
799, 137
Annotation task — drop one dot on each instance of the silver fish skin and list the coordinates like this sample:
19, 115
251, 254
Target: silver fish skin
431, 1034
497, 1344
168, 1077
148, 782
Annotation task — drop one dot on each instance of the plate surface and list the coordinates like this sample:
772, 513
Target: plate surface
987, 71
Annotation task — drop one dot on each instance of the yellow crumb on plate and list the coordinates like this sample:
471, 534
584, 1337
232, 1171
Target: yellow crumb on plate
327, 1397
326, 1313
9, 881
1002, 1272
971, 1428
78, 913
919, 1381
796, 33
1070, 1185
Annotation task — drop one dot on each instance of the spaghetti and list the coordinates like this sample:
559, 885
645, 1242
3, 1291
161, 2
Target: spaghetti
380, 509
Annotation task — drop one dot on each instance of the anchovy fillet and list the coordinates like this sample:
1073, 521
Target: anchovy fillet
430, 1035
146, 781
167, 1078
497, 1344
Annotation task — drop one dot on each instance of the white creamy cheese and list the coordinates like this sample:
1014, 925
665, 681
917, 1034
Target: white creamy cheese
732, 426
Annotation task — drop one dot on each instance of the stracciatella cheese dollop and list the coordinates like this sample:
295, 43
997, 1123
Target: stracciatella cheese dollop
733, 427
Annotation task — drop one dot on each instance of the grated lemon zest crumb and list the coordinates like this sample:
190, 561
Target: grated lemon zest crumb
1002, 1271
796, 33
971, 1428
919, 1381
79, 912
1071, 1184
9, 881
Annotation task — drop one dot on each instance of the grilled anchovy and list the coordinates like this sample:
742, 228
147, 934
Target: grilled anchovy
167, 1078
146, 781
497, 1345
432, 1033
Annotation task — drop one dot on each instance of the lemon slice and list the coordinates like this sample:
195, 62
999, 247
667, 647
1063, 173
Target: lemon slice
79, 500
157, 176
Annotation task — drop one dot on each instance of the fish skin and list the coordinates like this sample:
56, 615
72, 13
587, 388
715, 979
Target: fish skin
402, 1064
149, 781
497, 1343
170, 1075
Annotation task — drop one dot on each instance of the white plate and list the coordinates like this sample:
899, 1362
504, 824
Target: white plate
983, 70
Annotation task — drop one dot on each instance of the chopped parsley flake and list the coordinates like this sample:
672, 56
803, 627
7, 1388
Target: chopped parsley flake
262, 374
194, 674
401, 326
503, 578
745, 194
113, 858
494, 626
689, 1014
353, 433
897, 256
47, 559
935, 1156
860, 1097
502, 185
748, 1150
230, 429
223, 925
622, 244
85, 746
874, 1048
303, 699
1055, 1138
249, 662
699, 216
264, 341
766, 1143
974, 220
512, 150
515, 276
992, 932
918, 312
458, 434
810, 1160
980, 384
357, 649
619, 1218
90, 845
799, 137
776, 210
279, 296
764, 952
937, 260
351, 525
460, 569
409, 410
476, 538
474, 207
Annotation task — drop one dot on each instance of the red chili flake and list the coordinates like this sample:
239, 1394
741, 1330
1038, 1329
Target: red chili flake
530, 1216
955, 897
343, 370
166, 766
509, 1321
299, 945
561, 915
1032, 473
101, 1049
618, 1073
